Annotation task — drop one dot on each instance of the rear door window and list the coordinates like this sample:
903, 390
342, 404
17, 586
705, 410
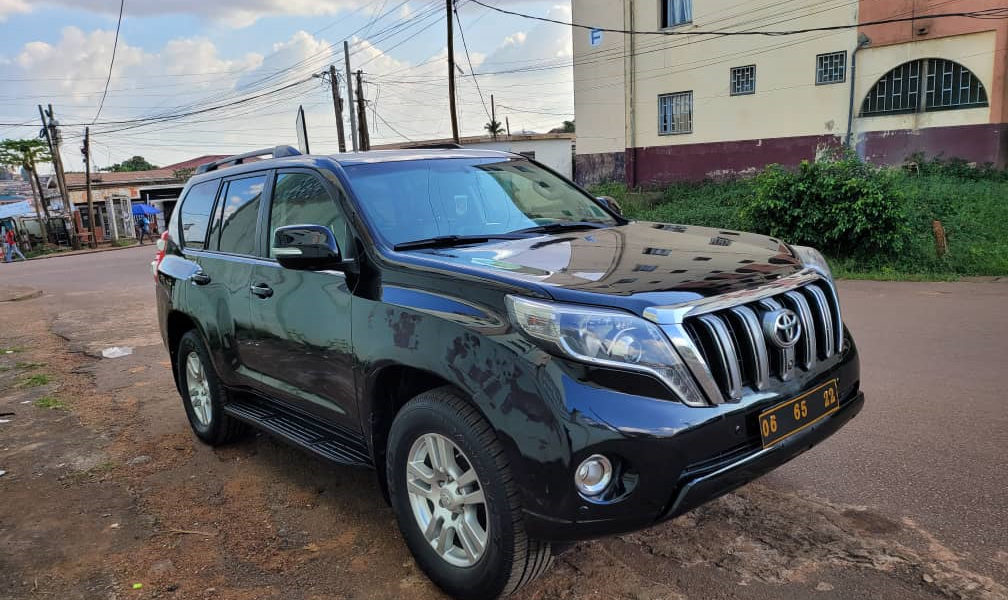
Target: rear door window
194, 216
235, 223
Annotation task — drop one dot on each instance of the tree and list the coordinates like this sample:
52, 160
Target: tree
26, 154
494, 128
568, 127
137, 163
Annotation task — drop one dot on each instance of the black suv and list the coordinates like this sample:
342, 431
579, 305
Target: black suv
522, 366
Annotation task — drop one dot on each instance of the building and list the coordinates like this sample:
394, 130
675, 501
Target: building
555, 150
653, 108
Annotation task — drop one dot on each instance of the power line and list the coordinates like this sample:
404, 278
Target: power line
469, 60
115, 45
988, 13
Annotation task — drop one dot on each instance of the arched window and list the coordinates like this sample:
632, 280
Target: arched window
924, 85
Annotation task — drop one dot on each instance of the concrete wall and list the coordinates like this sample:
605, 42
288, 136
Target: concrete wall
557, 154
599, 79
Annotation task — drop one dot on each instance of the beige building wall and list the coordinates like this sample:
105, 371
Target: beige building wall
599, 78
787, 101
975, 51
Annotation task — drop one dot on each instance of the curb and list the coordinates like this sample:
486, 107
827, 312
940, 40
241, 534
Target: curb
81, 252
18, 294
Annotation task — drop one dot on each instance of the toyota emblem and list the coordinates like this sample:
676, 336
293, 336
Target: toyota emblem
782, 327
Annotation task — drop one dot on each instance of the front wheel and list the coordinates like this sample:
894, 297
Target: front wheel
202, 393
455, 499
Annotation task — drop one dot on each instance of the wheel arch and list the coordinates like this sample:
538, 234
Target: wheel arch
177, 325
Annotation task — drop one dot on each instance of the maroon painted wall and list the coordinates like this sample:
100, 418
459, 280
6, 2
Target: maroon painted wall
975, 143
693, 162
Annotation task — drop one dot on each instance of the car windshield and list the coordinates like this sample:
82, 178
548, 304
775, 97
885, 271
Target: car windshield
420, 199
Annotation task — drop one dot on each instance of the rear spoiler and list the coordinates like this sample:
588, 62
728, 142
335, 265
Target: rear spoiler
237, 159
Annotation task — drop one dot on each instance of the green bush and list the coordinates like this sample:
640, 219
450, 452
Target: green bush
841, 205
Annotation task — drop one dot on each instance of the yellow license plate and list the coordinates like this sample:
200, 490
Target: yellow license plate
788, 418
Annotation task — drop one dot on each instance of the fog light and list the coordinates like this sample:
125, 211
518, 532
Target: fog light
593, 475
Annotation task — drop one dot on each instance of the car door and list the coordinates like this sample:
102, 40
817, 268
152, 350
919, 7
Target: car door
302, 336
220, 296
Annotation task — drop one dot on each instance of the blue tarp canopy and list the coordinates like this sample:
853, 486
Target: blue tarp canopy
16, 209
144, 209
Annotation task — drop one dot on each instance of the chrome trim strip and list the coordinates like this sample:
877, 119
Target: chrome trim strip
761, 360
826, 315
785, 355
805, 314
676, 313
728, 355
694, 362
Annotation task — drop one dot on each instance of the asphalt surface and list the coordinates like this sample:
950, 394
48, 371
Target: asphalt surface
928, 451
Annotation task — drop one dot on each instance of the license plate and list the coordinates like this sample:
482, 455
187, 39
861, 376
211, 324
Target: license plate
788, 418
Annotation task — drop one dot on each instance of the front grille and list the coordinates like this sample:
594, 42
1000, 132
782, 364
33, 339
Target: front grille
737, 353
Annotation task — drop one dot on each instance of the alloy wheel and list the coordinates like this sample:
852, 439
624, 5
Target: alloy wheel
199, 389
447, 500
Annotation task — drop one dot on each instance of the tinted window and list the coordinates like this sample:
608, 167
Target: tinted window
302, 199
195, 213
239, 214
412, 200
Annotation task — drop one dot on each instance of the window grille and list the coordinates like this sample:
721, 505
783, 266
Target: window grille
831, 68
675, 113
924, 85
743, 80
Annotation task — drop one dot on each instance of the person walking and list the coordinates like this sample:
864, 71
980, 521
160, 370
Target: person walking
144, 226
10, 241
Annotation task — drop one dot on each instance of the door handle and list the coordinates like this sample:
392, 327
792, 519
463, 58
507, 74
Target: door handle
262, 290
200, 278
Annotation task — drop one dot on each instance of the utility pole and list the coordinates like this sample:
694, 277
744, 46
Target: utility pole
338, 105
86, 150
49, 128
493, 117
451, 72
349, 89
507, 122
365, 137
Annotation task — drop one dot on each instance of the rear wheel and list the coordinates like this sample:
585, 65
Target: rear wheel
455, 499
202, 393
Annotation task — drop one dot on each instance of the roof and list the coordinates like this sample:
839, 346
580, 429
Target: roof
482, 139
192, 163
76, 180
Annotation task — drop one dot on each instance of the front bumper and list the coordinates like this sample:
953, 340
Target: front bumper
681, 456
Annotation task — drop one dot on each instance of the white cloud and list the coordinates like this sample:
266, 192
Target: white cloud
11, 7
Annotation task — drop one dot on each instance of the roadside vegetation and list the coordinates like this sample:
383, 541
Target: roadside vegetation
50, 403
870, 222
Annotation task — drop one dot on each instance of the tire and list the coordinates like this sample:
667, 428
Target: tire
206, 415
510, 559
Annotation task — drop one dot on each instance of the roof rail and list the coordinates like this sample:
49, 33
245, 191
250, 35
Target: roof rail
237, 159
434, 146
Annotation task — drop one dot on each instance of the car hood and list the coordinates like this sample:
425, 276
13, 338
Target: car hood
631, 266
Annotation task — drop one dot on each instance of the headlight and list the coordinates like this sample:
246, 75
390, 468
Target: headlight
813, 259
607, 338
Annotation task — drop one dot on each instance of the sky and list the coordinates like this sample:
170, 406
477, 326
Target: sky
257, 57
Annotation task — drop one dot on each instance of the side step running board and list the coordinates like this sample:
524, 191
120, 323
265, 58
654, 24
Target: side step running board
299, 430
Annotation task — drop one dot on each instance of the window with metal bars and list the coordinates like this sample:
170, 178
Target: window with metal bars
831, 68
675, 113
743, 80
924, 85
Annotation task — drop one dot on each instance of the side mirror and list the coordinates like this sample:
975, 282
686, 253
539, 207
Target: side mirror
307, 248
611, 204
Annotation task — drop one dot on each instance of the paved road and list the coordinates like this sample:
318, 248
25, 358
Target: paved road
928, 451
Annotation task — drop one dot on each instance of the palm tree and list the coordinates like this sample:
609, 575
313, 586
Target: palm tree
27, 154
494, 128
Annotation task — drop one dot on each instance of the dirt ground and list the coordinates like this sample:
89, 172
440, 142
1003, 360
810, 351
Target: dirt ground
107, 495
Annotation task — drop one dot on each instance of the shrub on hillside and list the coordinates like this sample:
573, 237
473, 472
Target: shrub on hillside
839, 204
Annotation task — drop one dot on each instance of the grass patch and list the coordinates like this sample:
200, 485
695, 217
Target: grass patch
11, 350
37, 380
50, 402
29, 366
123, 242
971, 210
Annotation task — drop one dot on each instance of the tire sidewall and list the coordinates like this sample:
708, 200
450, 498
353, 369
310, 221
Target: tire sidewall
487, 578
191, 342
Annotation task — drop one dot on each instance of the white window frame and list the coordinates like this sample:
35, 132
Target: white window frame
819, 71
668, 121
686, 17
751, 70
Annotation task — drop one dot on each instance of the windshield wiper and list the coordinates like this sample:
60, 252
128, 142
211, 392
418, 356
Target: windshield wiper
448, 241
563, 226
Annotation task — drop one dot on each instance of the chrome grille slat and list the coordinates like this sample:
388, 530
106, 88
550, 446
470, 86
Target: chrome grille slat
808, 335
825, 318
726, 354
757, 343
